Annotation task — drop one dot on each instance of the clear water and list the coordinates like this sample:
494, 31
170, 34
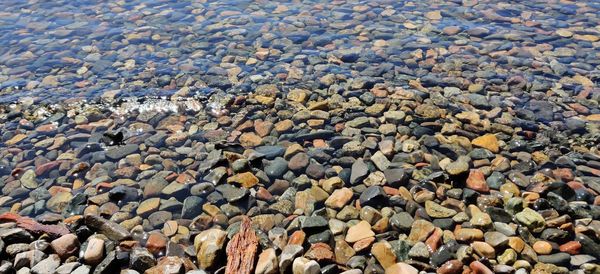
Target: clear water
56, 50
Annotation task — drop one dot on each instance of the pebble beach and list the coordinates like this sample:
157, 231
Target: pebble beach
301, 137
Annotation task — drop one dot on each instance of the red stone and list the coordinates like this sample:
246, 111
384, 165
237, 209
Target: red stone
476, 181
156, 243
54, 231
297, 238
571, 247
479, 268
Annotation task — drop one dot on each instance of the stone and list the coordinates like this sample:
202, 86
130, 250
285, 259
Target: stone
384, 253
359, 231
435, 210
110, 229
141, 259
288, 254
94, 251
209, 246
420, 230
450, 267
65, 246
148, 207
401, 268
47, 266
246, 179
360, 170
531, 219
267, 262
542, 247
487, 141
339, 198
477, 182
303, 265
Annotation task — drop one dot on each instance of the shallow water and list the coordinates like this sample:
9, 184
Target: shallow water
354, 129
52, 50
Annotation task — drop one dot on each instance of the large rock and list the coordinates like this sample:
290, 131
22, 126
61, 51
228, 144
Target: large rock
110, 229
209, 246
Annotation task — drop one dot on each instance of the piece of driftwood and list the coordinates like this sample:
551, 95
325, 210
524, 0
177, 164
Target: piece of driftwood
241, 250
33, 226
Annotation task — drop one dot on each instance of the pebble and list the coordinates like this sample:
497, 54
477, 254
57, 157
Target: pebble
359, 138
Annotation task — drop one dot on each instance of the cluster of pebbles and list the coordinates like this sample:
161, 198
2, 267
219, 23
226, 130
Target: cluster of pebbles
316, 137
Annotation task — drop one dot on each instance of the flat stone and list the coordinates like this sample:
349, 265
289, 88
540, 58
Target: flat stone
246, 179
358, 232
435, 210
110, 229
487, 141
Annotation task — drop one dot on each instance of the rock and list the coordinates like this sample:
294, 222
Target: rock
320, 252
476, 181
450, 267
119, 152
358, 232
480, 268
384, 253
66, 245
47, 266
339, 198
561, 259
373, 196
209, 246
241, 250
542, 247
487, 141
360, 170
28, 258
110, 229
148, 207
94, 252
141, 259
69, 268
267, 262
380, 161
531, 219
401, 268
192, 207
457, 167
437, 211
288, 254
246, 179
303, 265
419, 251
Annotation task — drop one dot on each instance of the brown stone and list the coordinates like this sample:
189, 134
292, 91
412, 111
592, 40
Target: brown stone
479, 268
65, 246
384, 253
451, 267
320, 252
156, 243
